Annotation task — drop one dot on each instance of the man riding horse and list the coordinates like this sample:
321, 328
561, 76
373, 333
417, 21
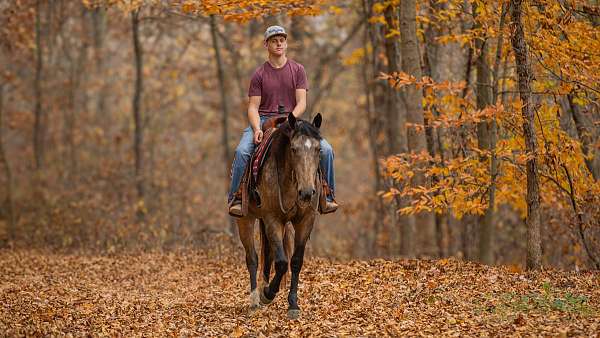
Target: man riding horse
279, 81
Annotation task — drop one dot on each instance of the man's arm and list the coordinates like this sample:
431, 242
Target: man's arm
300, 102
254, 117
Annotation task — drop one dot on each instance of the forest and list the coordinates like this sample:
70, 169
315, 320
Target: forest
464, 132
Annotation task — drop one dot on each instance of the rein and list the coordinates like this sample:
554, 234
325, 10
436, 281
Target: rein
279, 191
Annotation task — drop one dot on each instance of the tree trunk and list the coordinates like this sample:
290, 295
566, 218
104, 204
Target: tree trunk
236, 58
414, 112
375, 100
99, 29
534, 249
223, 93
394, 111
225, 112
137, 96
432, 135
467, 237
38, 128
298, 32
76, 67
7, 171
484, 135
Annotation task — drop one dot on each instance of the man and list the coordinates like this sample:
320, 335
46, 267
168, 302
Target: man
278, 81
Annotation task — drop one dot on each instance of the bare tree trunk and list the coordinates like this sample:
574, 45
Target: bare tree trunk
99, 31
373, 130
137, 96
236, 57
76, 67
414, 112
38, 129
298, 32
392, 53
375, 93
224, 99
524, 72
7, 171
225, 108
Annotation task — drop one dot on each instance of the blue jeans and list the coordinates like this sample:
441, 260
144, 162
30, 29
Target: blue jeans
245, 149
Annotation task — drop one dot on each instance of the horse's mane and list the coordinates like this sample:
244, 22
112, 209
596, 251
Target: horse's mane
281, 139
304, 127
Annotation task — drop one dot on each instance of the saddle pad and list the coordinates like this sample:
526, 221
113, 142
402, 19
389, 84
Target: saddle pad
260, 154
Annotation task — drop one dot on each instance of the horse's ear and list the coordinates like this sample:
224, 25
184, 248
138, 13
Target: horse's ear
292, 121
317, 121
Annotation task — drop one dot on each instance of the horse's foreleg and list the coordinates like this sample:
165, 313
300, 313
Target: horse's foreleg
266, 255
302, 234
296, 266
274, 234
246, 231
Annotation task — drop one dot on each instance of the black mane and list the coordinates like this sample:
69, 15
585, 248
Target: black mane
304, 127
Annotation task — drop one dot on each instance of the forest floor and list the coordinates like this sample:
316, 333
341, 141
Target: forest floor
193, 293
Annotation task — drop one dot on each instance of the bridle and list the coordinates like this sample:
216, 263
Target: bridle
295, 206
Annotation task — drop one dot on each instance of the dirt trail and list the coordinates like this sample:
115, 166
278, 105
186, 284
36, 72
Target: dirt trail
195, 294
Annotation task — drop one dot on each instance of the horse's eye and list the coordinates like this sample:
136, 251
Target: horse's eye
294, 150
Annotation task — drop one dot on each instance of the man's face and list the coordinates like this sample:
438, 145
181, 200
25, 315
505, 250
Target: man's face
276, 45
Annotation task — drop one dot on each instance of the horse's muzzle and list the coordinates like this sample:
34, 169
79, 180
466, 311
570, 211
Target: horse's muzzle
305, 195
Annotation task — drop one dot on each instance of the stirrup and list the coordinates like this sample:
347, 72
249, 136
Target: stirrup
235, 208
329, 207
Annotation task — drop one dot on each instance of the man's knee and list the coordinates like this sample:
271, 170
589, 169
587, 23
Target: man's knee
326, 149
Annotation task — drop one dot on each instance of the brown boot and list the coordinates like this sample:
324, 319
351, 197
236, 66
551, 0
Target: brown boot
235, 208
330, 206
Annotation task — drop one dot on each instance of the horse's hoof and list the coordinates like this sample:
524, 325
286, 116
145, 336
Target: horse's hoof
252, 309
254, 300
263, 298
293, 314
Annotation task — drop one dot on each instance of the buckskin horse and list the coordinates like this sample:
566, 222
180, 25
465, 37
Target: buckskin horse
289, 189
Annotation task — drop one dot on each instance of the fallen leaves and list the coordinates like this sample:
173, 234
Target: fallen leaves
201, 294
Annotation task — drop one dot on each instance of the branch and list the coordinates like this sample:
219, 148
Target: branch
325, 60
558, 77
579, 219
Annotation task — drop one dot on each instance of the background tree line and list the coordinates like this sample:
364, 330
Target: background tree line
461, 128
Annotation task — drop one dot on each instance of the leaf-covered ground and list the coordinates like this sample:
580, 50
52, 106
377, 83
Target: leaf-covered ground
198, 294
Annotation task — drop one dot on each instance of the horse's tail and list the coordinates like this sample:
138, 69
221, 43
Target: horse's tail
288, 247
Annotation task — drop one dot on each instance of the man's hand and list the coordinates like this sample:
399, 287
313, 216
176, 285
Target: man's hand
258, 136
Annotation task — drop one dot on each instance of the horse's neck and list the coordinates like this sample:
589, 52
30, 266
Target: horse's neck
280, 157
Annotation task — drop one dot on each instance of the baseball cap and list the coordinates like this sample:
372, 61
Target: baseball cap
274, 30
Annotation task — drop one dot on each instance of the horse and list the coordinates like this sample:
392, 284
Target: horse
289, 189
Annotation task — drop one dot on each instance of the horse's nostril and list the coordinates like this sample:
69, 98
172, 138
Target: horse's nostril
306, 194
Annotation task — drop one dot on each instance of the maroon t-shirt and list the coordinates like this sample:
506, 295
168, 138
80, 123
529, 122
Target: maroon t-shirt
277, 86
